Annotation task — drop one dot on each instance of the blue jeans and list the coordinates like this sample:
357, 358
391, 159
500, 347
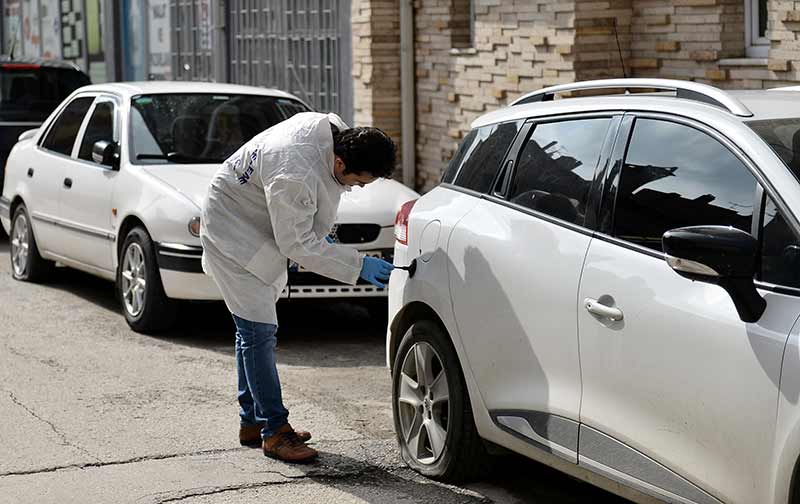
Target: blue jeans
259, 387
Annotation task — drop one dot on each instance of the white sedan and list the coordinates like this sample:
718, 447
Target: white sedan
112, 184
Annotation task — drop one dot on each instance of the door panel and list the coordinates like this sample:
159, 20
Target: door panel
85, 201
675, 375
45, 173
513, 282
680, 378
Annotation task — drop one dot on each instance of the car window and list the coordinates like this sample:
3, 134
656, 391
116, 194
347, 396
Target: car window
201, 128
61, 137
29, 92
100, 127
556, 166
780, 249
783, 136
478, 159
676, 176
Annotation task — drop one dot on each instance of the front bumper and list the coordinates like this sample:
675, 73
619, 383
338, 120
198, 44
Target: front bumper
183, 278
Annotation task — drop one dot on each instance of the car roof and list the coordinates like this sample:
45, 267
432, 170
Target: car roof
47, 63
763, 104
129, 89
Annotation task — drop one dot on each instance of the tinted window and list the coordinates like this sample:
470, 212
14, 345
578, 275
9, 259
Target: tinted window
477, 161
100, 127
62, 135
452, 168
201, 127
31, 93
676, 176
780, 254
556, 167
783, 136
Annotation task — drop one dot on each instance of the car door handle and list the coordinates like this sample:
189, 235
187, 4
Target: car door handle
595, 307
30, 172
68, 182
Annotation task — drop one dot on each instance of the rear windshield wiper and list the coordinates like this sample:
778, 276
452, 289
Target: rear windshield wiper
176, 157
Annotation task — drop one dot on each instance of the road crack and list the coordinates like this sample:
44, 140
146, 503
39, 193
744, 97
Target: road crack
134, 460
61, 435
320, 476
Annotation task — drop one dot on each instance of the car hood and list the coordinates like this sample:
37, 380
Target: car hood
191, 180
377, 203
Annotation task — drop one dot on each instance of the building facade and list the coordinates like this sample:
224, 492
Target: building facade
301, 46
466, 56
472, 56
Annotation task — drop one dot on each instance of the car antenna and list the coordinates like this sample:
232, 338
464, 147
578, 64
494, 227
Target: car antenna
619, 48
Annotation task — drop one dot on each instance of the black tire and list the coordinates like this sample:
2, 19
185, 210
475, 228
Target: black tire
33, 267
153, 311
464, 455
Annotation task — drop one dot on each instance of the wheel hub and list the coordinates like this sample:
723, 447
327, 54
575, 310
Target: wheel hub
20, 244
134, 281
422, 403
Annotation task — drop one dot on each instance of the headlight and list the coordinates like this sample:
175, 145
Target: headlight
194, 226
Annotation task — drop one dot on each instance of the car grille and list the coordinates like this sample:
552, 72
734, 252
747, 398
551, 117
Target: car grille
355, 233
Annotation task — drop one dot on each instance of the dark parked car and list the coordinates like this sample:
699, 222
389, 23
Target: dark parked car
29, 91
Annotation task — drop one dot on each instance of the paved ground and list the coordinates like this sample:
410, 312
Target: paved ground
91, 412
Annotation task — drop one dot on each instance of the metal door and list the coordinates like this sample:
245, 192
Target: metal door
299, 46
194, 39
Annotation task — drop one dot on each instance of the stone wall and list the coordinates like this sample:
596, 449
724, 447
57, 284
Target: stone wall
519, 45
523, 45
376, 65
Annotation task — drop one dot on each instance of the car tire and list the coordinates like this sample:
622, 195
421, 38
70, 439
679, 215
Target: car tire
461, 455
146, 307
26, 262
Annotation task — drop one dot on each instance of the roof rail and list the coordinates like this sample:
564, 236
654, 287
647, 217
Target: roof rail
683, 89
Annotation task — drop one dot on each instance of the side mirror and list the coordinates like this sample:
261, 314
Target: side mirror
27, 134
105, 153
718, 255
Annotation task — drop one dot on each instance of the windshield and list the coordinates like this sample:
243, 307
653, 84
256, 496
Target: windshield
30, 92
783, 135
201, 128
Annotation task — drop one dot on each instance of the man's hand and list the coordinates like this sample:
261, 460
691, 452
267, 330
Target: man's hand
376, 271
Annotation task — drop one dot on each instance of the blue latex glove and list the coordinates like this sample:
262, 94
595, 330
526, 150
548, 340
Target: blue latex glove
329, 239
376, 271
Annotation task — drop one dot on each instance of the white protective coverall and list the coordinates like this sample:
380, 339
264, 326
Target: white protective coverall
275, 198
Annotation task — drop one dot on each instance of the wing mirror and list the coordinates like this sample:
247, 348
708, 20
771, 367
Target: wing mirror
718, 255
105, 153
27, 134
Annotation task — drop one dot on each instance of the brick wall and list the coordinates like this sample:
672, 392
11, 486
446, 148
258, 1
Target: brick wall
523, 45
519, 45
376, 65
784, 35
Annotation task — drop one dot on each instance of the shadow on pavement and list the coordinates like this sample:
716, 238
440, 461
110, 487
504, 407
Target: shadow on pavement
323, 332
512, 479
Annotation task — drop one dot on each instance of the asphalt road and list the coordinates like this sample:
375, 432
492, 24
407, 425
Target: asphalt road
91, 412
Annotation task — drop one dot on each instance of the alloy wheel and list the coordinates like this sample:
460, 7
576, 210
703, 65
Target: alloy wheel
423, 403
134, 281
20, 244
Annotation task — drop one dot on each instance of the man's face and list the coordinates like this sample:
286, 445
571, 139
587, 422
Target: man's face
350, 179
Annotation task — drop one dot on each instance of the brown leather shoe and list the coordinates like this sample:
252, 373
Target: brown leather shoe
286, 445
250, 435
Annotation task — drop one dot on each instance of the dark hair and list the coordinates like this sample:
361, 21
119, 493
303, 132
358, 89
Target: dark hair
365, 150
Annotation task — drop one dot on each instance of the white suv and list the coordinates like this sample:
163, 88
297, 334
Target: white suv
609, 285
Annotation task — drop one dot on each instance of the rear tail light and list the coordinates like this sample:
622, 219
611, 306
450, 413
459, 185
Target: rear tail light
401, 222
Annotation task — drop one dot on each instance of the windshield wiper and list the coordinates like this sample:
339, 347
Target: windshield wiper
176, 157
